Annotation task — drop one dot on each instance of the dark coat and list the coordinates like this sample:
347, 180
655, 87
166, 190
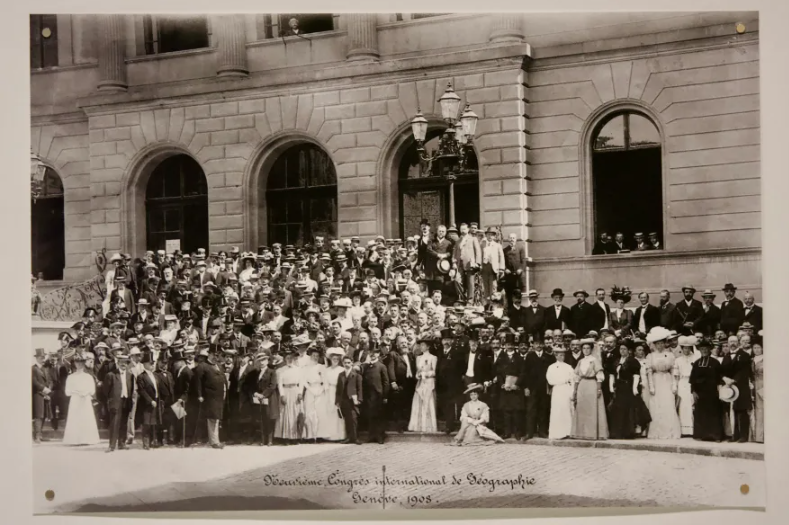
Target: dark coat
738, 367
209, 383
517, 317
448, 374
166, 386
668, 316
431, 257
688, 314
506, 366
182, 381
266, 384
113, 389
349, 384
732, 315
710, 320
396, 368
651, 317
621, 323
599, 316
40, 381
754, 316
375, 384
582, 318
148, 395
483, 365
534, 373
515, 259
534, 320
555, 322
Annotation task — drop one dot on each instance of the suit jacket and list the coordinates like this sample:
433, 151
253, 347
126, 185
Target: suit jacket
483, 366
517, 317
754, 316
361, 356
375, 381
506, 366
600, 316
433, 253
349, 384
732, 315
738, 367
535, 368
572, 360
266, 384
467, 251
492, 253
397, 369
651, 317
209, 383
534, 322
182, 381
581, 318
710, 320
113, 389
41, 380
688, 314
166, 386
515, 259
668, 316
555, 322
621, 323
448, 374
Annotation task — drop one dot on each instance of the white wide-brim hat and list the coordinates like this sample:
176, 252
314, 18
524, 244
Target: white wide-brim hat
728, 393
658, 333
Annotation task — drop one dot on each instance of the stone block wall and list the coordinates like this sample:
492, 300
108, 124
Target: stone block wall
707, 102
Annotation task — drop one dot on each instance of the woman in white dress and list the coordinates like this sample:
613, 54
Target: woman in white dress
662, 380
81, 428
314, 394
244, 276
423, 406
560, 377
290, 384
332, 427
684, 364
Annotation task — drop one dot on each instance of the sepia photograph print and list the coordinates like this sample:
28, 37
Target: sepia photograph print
349, 261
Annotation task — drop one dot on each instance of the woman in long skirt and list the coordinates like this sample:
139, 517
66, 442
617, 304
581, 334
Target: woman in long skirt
758, 383
314, 394
590, 419
644, 419
560, 377
81, 428
290, 384
662, 377
705, 378
423, 406
474, 418
684, 365
331, 426
623, 384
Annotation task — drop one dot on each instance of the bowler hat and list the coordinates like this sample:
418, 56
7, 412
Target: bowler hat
729, 287
557, 291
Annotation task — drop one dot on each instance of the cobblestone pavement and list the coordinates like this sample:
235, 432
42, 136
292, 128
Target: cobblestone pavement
419, 475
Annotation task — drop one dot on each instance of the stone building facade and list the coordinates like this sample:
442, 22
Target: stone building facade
542, 85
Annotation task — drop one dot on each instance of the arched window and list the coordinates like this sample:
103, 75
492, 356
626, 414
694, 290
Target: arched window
176, 205
425, 195
627, 177
302, 196
47, 229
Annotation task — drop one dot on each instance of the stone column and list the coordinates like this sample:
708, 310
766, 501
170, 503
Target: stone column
506, 27
362, 36
112, 53
231, 41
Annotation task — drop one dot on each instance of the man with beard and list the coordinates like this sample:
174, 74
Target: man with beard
753, 313
240, 390
710, 319
538, 402
209, 385
448, 381
667, 311
375, 390
436, 250
534, 315
688, 312
581, 315
182, 380
401, 368
732, 310
511, 394
737, 370
557, 317
515, 262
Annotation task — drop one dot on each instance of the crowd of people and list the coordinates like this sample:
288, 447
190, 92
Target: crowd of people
327, 341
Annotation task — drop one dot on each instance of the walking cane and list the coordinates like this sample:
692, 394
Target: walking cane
183, 431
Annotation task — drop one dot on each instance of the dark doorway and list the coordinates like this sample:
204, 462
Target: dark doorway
48, 247
176, 204
627, 177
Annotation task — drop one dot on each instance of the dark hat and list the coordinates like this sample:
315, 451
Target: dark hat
40, 352
582, 292
79, 325
729, 286
146, 358
557, 291
447, 333
64, 335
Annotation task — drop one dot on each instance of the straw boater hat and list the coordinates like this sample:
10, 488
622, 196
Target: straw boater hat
582, 292
473, 387
301, 340
728, 393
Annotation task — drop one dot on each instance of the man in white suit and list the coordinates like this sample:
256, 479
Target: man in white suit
492, 264
467, 258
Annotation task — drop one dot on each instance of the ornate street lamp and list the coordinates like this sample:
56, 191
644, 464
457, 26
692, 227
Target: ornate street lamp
37, 171
455, 145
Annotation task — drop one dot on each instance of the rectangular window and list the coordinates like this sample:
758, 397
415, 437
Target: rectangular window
305, 23
43, 41
264, 27
167, 34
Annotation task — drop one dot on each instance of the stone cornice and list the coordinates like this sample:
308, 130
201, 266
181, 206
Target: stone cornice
286, 81
662, 258
60, 118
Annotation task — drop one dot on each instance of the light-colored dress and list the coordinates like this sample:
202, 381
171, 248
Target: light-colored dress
330, 426
758, 409
590, 418
314, 399
290, 383
81, 428
423, 406
645, 395
304, 361
684, 366
661, 371
474, 417
561, 377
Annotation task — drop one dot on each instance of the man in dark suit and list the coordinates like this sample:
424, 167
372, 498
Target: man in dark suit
736, 368
42, 388
538, 402
515, 262
239, 393
557, 317
439, 248
475, 365
710, 319
266, 392
601, 312
732, 310
166, 386
375, 390
753, 313
667, 311
534, 316
581, 314
119, 385
182, 379
207, 393
646, 316
620, 245
516, 312
688, 312
402, 379
449, 384
349, 397
510, 379
604, 246
148, 402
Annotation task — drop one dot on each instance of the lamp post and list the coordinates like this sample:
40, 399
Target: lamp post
37, 171
455, 144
